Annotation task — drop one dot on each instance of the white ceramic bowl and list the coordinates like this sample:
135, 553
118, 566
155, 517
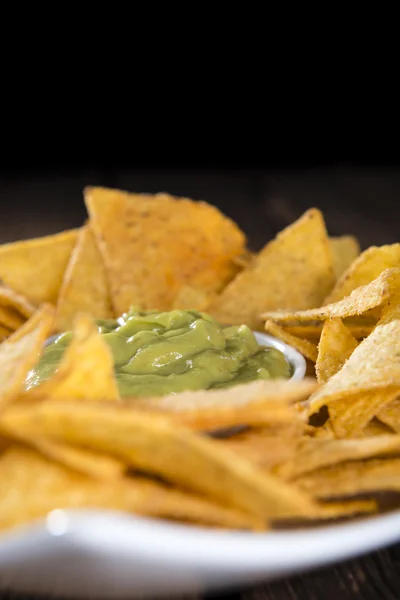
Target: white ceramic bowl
296, 360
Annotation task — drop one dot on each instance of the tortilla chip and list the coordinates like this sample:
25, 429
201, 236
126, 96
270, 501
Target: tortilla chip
359, 302
257, 403
313, 454
20, 352
31, 486
308, 349
10, 318
35, 268
335, 347
160, 446
367, 267
17, 302
5, 332
84, 288
190, 298
154, 245
86, 369
353, 478
293, 271
390, 415
376, 427
359, 327
345, 250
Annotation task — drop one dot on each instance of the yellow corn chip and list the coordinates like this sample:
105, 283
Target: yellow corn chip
367, 267
390, 415
359, 328
86, 369
376, 427
335, 347
348, 479
308, 349
5, 332
17, 302
84, 288
349, 508
190, 298
359, 302
35, 268
31, 486
20, 352
154, 245
10, 318
345, 250
293, 271
158, 445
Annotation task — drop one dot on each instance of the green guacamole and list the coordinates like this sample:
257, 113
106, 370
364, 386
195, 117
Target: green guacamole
157, 353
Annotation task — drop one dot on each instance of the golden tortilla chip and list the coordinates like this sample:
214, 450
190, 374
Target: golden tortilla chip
10, 318
359, 328
257, 403
5, 332
20, 352
190, 298
308, 349
17, 302
154, 245
158, 445
390, 415
353, 478
367, 267
345, 250
335, 347
86, 369
349, 508
35, 268
84, 288
359, 302
294, 271
376, 427
31, 486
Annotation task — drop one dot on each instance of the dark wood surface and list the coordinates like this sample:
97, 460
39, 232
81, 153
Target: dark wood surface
359, 201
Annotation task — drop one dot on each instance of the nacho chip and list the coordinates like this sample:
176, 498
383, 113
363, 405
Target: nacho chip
376, 427
154, 245
189, 297
367, 267
293, 271
353, 478
390, 415
308, 349
10, 318
5, 332
86, 369
84, 288
335, 347
359, 302
257, 403
160, 446
345, 250
31, 486
359, 327
20, 352
17, 302
35, 268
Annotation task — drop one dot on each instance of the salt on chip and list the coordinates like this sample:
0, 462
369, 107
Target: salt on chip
345, 249
335, 347
31, 486
17, 302
20, 352
86, 369
155, 245
305, 347
293, 271
85, 287
158, 445
35, 268
390, 415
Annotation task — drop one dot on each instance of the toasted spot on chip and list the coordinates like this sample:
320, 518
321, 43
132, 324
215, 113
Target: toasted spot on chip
21, 351
345, 249
390, 415
308, 349
35, 268
335, 347
293, 271
154, 245
17, 302
85, 287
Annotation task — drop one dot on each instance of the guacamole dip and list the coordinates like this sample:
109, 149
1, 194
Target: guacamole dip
157, 353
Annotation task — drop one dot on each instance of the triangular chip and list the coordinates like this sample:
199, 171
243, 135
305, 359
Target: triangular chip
35, 268
345, 250
335, 347
390, 415
17, 302
84, 288
85, 370
154, 245
293, 271
5, 332
21, 351
10, 318
312, 331
305, 347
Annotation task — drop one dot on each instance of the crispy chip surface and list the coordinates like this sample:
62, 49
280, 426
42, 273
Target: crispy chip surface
293, 271
390, 415
305, 347
35, 268
345, 249
335, 347
17, 302
154, 245
359, 327
10, 318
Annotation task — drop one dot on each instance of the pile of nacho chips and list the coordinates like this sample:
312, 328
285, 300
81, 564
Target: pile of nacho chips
257, 456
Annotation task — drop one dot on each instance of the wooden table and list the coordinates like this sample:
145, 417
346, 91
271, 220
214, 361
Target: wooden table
357, 201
